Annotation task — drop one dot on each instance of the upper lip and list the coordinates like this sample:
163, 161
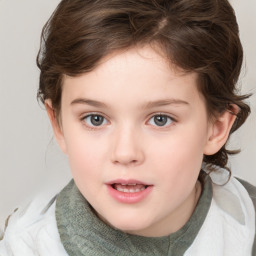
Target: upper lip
127, 182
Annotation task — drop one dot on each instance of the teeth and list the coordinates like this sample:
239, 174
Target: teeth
125, 189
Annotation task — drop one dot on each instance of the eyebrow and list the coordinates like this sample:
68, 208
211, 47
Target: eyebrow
165, 102
150, 104
93, 103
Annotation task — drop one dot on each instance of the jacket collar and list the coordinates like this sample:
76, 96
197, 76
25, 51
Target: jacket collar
83, 233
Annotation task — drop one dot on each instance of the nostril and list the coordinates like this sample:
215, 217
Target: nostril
125, 161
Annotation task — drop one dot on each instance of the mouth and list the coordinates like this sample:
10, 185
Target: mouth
129, 188
129, 191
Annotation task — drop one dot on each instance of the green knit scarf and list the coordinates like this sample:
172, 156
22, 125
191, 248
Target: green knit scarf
83, 233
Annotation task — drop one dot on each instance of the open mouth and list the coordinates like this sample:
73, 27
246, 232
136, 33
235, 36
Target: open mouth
129, 188
129, 191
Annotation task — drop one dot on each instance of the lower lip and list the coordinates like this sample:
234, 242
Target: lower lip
129, 198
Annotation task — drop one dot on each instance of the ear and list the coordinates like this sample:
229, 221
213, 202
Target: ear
58, 133
219, 130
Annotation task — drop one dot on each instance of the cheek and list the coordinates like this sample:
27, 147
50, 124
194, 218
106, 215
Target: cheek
85, 156
180, 155
180, 164
86, 164
180, 148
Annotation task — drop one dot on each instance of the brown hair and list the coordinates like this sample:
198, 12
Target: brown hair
196, 35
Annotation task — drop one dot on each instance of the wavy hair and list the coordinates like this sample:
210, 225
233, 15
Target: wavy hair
199, 36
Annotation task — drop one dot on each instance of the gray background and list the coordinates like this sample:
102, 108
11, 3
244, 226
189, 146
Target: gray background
30, 161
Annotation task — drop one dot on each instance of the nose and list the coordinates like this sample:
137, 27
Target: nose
127, 147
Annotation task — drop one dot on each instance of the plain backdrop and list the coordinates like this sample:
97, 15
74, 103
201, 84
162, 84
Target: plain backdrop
30, 160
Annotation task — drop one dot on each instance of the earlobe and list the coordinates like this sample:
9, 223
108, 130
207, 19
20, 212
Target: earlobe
219, 130
58, 133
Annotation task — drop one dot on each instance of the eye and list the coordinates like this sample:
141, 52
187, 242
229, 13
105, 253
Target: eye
94, 120
160, 120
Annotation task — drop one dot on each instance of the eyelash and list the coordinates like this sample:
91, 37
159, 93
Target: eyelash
170, 120
91, 126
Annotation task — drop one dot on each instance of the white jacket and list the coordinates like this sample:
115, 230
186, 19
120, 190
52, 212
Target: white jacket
33, 231
228, 230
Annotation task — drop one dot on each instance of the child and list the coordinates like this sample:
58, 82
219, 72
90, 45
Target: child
141, 97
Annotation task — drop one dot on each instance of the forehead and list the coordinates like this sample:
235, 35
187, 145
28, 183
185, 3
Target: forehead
134, 75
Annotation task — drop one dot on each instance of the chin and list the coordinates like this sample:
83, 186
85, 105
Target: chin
128, 221
132, 226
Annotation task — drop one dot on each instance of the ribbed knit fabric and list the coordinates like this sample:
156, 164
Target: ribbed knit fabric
83, 233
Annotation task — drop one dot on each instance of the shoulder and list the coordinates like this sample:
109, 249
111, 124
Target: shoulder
32, 230
230, 221
235, 191
252, 193
236, 200
250, 189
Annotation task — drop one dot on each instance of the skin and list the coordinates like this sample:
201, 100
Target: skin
129, 89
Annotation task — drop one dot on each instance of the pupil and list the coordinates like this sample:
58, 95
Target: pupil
96, 120
160, 120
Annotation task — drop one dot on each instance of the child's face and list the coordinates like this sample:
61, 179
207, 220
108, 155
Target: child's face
135, 120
